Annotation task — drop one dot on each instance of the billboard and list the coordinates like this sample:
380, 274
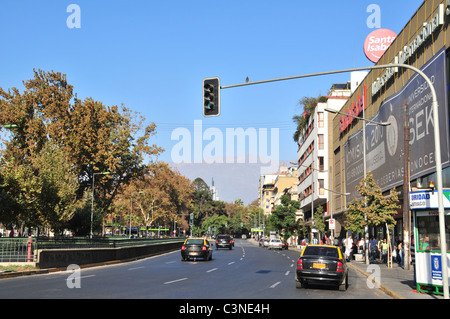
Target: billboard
385, 145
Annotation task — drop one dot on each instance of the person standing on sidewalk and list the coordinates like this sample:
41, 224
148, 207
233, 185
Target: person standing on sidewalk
384, 250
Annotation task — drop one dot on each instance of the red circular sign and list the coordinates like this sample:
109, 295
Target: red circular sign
377, 43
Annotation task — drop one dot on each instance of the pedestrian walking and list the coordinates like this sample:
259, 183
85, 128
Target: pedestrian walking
384, 250
400, 254
373, 248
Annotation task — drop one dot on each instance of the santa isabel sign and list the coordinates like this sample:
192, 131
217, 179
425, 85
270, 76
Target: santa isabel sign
377, 43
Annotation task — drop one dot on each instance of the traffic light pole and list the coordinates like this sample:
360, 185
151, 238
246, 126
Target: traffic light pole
437, 146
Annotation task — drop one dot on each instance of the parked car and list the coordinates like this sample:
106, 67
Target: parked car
261, 242
224, 241
265, 242
196, 248
322, 264
275, 244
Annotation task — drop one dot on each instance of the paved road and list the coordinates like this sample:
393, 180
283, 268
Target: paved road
246, 272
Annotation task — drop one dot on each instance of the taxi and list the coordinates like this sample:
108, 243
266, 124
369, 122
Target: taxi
196, 248
322, 264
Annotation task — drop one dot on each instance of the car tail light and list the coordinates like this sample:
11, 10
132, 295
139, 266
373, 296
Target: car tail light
183, 247
204, 248
340, 267
231, 241
300, 264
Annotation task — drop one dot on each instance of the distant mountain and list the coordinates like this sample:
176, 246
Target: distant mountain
232, 181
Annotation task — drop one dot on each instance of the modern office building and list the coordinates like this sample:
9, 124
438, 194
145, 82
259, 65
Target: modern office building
400, 97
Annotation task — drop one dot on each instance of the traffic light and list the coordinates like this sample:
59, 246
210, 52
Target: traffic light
211, 97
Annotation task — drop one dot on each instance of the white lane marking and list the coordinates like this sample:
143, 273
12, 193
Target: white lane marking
292, 265
170, 262
87, 276
275, 284
177, 280
136, 268
214, 269
287, 272
231, 263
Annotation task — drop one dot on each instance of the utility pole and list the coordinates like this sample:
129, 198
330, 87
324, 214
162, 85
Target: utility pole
406, 211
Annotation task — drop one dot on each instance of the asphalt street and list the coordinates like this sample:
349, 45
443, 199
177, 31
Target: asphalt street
245, 272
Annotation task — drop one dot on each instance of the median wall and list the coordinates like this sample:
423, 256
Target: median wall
58, 258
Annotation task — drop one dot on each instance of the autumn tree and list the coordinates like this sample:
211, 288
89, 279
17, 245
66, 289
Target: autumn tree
91, 136
160, 196
379, 209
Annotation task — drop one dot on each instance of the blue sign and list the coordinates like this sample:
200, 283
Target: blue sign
436, 267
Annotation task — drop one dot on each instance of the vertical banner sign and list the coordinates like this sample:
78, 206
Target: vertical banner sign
385, 144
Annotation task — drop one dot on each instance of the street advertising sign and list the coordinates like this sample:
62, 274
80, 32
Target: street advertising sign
331, 223
428, 199
377, 43
385, 145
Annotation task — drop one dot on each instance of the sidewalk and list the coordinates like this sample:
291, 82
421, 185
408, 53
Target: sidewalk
396, 281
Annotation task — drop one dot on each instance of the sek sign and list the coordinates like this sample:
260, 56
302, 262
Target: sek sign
377, 43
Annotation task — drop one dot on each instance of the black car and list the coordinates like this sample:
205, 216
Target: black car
224, 241
322, 264
196, 248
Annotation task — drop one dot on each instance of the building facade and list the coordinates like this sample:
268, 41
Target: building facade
401, 98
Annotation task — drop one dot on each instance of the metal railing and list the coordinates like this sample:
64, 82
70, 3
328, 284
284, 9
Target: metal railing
23, 249
17, 250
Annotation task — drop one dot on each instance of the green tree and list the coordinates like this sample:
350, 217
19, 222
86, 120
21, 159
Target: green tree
380, 210
283, 216
308, 105
319, 221
217, 222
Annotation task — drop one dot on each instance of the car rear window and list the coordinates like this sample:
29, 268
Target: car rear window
321, 251
194, 242
223, 237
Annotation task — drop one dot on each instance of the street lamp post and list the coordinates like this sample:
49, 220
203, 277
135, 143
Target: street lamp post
131, 213
331, 207
363, 118
92, 205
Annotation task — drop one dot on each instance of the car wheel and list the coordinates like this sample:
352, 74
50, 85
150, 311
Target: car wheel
343, 286
300, 284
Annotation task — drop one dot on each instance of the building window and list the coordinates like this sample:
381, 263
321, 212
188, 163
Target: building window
321, 187
320, 119
321, 163
321, 141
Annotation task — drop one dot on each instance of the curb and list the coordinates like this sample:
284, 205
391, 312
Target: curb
382, 287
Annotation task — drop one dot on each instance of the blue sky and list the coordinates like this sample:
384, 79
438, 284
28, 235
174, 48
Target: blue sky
152, 55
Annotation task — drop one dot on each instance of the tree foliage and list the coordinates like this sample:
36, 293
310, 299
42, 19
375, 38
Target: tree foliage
88, 137
283, 216
379, 209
